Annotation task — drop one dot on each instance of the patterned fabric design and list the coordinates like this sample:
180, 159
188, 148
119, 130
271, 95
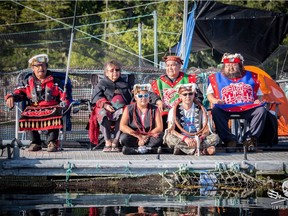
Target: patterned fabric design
41, 118
117, 101
174, 142
237, 93
191, 123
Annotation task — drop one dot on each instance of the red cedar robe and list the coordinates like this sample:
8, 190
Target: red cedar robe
27, 92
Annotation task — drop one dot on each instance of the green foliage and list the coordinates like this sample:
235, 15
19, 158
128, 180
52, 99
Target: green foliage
104, 30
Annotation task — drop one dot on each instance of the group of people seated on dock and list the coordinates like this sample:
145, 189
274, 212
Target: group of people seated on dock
166, 114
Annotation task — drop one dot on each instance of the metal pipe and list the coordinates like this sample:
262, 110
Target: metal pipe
70, 48
185, 12
140, 43
155, 39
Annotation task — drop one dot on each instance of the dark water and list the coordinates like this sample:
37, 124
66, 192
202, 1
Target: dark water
153, 211
138, 204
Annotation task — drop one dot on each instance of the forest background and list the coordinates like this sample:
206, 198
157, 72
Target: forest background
105, 30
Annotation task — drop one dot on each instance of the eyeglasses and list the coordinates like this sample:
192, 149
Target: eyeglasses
142, 95
185, 94
40, 65
115, 69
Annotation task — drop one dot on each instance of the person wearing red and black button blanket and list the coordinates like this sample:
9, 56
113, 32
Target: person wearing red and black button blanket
235, 90
141, 124
46, 100
110, 96
166, 85
188, 131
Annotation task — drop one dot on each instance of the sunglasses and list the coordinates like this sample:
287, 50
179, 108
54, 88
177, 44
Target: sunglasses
39, 65
142, 95
185, 94
112, 70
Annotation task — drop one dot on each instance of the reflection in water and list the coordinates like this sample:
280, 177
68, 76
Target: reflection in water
203, 202
148, 211
201, 193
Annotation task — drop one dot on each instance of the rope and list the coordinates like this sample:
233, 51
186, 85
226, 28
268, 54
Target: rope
221, 166
76, 39
127, 200
68, 198
85, 33
68, 171
86, 15
34, 31
112, 21
127, 169
183, 168
235, 167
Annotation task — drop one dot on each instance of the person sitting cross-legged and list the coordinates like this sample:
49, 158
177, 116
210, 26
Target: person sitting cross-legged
187, 125
141, 124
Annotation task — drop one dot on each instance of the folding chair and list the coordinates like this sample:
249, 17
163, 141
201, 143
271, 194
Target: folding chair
240, 126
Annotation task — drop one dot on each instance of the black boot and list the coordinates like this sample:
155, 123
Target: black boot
129, 150
155, 150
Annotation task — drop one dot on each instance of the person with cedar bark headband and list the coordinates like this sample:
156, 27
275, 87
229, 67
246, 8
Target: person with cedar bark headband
110, 96
166, 85
141, 124
234, 90
46, 100
188, 131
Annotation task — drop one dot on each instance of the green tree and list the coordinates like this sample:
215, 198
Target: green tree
104, 30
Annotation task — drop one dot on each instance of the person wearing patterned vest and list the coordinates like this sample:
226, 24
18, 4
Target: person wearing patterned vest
234, 90
165, 86
188, 131
44, 94
141, 124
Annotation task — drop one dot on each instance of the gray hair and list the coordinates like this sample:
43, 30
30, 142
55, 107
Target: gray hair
112, 62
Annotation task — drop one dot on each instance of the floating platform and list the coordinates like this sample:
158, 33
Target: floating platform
82, 162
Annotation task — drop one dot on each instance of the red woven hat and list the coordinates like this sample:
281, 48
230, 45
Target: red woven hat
232, 58
173, 58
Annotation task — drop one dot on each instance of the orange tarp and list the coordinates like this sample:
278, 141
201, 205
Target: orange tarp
273, 93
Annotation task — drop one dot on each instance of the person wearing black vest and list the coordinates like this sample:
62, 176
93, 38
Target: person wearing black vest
187, 125
141, 124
